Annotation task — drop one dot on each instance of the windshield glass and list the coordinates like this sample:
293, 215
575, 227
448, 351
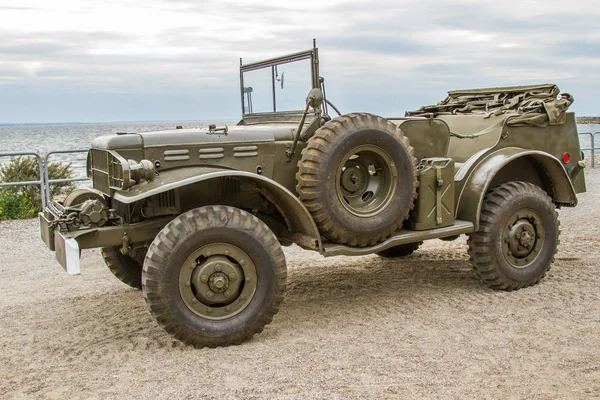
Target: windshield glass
257, 91
277, 87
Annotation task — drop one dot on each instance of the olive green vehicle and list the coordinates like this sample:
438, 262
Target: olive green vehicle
196, 218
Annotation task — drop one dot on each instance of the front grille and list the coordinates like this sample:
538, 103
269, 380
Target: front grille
166, 199
106, 171
115, 173
99, 170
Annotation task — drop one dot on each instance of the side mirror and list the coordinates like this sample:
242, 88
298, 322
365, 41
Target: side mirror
277, 78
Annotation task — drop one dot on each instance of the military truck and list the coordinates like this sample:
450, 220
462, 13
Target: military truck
196, 218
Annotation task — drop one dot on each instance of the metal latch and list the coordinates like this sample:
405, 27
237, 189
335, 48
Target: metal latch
212, 129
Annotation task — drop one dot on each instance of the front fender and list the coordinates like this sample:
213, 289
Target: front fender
478, 182
295, 213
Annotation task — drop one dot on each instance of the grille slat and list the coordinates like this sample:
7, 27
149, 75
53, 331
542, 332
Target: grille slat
106, 171
166, 199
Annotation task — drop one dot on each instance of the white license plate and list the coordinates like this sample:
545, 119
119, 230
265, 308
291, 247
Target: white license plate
67, 253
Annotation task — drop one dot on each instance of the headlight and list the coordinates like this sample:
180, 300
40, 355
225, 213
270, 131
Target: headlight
142, 171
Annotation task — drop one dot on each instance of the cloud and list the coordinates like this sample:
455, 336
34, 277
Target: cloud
379, 56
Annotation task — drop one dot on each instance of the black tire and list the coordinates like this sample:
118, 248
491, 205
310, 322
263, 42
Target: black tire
174, 276
450, 238
402, 250
517, 237
357, 177
127, 269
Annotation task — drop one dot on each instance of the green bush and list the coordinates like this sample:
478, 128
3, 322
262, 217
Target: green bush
18, 202
16, 206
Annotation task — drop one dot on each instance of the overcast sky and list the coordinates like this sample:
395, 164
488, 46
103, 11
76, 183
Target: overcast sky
130, 60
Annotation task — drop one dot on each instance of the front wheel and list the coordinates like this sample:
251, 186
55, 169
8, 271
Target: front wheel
517, 237
214, 276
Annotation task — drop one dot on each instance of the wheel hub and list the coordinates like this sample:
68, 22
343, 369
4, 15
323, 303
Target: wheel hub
211, 280
523, 238
217, 281
353, 178
366, 181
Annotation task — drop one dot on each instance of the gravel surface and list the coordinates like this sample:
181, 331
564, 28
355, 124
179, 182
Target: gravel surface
349, 328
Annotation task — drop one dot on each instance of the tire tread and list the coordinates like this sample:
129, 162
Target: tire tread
199, 219
309, 167
479, 250
125, 268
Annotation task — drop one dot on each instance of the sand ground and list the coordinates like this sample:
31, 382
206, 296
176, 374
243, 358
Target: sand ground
364, 327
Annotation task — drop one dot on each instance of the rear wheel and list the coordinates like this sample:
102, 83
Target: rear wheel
402, 250
517, 237
214, 276
450, 238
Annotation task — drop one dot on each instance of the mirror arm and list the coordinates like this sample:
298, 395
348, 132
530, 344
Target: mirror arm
334, 107
322, 84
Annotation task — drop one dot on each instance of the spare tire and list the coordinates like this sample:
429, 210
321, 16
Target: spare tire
357, 177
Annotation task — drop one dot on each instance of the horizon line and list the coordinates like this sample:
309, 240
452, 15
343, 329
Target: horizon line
161, 121
115, 122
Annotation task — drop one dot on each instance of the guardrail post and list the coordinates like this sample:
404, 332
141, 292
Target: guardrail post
593, 135
39, 181
43, 180
44, 194
592, 149
593, 154
48, 181
46, 178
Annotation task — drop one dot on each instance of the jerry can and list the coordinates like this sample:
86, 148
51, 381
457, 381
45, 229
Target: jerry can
434, 207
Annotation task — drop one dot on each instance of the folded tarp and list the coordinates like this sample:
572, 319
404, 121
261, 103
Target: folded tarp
539, 105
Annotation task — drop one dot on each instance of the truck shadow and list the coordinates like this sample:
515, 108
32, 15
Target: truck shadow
370, 278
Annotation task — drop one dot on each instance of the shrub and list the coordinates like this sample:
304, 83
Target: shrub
16, 206
25, 201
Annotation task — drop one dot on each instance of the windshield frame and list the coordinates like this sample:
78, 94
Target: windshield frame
311, 55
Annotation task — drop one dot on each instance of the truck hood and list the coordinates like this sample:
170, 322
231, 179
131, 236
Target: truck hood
235, 134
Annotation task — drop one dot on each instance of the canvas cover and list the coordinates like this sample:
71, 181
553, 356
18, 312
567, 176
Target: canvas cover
539, 105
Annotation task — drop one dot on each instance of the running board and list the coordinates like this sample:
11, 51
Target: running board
403, 236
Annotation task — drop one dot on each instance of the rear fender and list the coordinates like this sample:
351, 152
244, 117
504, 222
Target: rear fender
499, 167
296, 215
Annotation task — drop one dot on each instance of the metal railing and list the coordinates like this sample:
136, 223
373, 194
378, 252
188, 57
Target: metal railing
44, 182
47, 179
592, 148
29, 183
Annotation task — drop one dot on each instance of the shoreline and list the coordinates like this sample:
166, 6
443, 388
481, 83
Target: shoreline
588, 120
579, 120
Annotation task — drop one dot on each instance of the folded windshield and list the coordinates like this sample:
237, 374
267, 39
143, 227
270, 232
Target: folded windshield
279, 84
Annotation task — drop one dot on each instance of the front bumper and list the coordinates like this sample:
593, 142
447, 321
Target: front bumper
66, 248
67, 244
